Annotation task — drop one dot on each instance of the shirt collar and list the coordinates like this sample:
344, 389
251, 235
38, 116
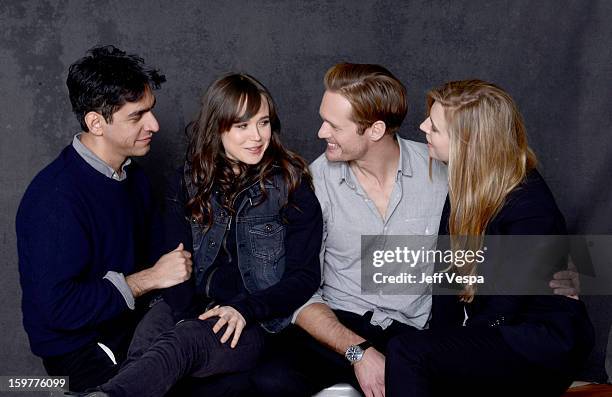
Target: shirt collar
345, 175
403, 166
96, 162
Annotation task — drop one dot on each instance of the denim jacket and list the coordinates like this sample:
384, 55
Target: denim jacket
260, 239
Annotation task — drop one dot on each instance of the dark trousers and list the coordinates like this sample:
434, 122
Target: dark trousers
297, 365
89, 365
464, 361
162, 353
85, 368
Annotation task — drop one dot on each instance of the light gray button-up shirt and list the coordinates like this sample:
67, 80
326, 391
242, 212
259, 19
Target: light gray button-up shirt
96, 162
117, 279
414, 208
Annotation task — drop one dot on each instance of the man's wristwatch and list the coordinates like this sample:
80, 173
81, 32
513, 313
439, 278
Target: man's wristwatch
354, 353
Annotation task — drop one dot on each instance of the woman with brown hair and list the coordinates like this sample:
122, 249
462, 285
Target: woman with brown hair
508, 344
245, 207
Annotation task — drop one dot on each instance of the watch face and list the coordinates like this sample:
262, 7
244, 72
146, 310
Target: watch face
354, 353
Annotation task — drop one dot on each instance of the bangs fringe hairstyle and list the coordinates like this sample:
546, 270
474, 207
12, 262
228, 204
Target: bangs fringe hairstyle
232, 99
488, 158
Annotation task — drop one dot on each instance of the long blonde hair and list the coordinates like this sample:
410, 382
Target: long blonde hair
488, 158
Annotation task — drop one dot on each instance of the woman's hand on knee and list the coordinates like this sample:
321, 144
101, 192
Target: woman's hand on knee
227, 316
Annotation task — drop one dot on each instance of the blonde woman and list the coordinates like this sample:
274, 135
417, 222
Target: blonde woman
509, 344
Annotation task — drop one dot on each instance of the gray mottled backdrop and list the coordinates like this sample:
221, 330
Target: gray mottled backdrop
554, 57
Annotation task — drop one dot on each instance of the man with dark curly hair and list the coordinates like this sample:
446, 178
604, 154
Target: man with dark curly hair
84, 221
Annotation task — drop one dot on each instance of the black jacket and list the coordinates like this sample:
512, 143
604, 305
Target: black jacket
550, 330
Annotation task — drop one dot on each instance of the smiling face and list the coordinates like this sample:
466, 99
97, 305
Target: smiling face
130, 132
247, 141
344, 143
435, 128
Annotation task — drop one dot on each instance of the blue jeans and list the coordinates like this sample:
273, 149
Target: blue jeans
161, 353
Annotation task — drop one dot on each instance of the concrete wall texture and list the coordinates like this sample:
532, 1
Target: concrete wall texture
555, 59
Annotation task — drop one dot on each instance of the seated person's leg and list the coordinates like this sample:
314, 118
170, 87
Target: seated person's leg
87, 367
156, 321
159, 319
91, 365
463, 361
295, 364
190, 348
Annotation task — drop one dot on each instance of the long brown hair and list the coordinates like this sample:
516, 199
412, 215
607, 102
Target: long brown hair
231, 99
488, 158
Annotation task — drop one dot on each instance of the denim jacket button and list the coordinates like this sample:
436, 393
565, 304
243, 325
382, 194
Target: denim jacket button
268, 227
212, 244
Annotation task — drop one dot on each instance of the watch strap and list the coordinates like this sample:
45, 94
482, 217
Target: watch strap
365, 344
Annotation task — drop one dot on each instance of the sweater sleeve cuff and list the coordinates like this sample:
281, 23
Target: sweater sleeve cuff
118, 280
243, 308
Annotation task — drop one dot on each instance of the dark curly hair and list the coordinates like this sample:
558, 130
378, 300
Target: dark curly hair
106, 79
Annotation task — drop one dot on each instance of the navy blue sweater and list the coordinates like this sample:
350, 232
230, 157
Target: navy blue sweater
73, 226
